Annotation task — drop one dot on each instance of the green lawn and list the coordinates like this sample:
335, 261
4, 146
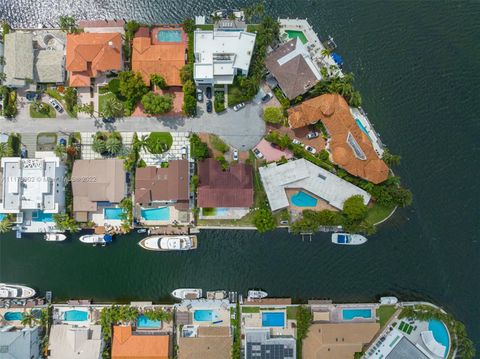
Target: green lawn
292, 313
384, 313
35, 114
377, 213
248, 309
205, 27
159, 137
209, 211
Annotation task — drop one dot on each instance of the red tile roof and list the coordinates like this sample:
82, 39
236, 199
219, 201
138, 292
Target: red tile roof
128, 346
231, 188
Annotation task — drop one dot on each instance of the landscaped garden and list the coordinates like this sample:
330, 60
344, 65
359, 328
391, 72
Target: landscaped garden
107, 144
42, 110
46, 141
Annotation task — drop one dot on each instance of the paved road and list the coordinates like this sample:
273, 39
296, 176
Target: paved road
242, 129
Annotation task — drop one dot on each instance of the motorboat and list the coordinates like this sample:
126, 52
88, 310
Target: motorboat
348, 239
388, 300
217, 294
95, 239
55, 237
187, 293
142, 230
256, 294
169, 243
15, 291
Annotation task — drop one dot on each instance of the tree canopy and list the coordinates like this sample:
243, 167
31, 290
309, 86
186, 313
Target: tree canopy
198, 149
273, 115
263, 220
156, 104
132, 87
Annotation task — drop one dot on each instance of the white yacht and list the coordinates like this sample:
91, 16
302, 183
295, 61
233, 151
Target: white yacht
187, 293
388, 300
256, 294
95, 239
15, 291
169, 243
55, 237
348, 239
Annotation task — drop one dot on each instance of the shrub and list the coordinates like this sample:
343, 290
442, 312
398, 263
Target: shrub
273, 115
156, 104
186, 73
114, 86
263, 220
132, 88
188, 88
219, 103
218, 143
198, 149
189, 105
223, 163
158, 80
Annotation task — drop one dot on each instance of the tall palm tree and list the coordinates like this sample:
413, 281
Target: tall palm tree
59, 151
28, 319
5, 150
5, 225
98, 145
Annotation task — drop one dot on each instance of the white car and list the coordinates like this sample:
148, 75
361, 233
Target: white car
257, 153
239, 106
297, 142
235, 155
311, 150
56, 105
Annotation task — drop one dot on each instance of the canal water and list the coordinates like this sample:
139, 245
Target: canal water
416, 65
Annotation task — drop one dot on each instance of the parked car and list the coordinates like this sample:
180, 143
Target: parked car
312, 134
257, 153
284, 223
239, 106
208, 91
311, 150
108, 119
56, 105
235, 155
274, 145
267, 97
31, 96
199, 95
62, 142
209, 106
297, 142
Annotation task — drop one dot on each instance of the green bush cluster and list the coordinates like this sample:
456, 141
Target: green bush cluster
107, 143
157, 104
219, 102
198, 149
340, 85
218, 144
132, 89
189, 107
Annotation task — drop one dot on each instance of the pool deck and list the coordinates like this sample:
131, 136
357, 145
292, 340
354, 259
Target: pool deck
254, 321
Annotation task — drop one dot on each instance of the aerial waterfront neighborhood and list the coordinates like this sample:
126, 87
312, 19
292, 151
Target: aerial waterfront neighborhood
254, 124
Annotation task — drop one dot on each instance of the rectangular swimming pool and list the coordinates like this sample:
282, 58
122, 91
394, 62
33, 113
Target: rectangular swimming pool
204, 315
144, 322
75, 315
302, 199
293, 34
169, 36
40, 216
352, 313
273, 319
156, 214
113, 213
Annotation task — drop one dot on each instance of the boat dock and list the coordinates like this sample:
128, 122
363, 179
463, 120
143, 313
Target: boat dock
169, 230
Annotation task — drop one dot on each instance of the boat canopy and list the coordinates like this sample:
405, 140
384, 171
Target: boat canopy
108, 238
337, 58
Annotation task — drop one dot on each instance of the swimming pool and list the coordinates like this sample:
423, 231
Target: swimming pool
364, 130
156, 214
352, 313
40, 216
144, 322
273, 319
9, 316
75, 315
169, 36
440, 333
302, 199
113, 213
2, 216
293, 34
204, 315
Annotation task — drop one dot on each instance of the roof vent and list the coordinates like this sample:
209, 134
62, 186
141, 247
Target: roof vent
110, 43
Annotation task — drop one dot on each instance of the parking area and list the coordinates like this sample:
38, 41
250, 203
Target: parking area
300, 134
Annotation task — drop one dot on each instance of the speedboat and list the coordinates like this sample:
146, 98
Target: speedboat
348, 239
15, 291
256, 294
187, 293
169, 243
55, 237
388, 300
142, 230
95, 239
217, 294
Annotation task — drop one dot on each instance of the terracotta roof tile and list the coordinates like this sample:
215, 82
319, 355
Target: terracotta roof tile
128, 346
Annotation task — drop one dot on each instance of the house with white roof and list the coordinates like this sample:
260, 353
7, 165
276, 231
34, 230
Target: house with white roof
221, 54
34, 190
20, 344
71, 341
302, 174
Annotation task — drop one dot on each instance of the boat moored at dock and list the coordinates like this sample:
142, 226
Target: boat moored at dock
169, 243
55, 237
15, 291
256, 294
347, 239
388, 300
187, 293
95, 239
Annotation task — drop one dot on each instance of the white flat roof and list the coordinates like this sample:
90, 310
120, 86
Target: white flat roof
304, 174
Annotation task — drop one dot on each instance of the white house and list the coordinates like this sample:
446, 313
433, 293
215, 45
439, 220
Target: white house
221, 54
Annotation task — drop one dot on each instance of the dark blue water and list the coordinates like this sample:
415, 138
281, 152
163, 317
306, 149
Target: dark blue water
416, 64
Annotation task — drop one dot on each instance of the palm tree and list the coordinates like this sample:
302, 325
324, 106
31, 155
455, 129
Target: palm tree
28, 319
5, 225
325, 53
113, 145
99, 145
59, 151
5, 150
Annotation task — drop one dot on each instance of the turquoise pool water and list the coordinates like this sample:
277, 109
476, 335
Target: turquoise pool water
113, 213
350, 314
40, 216
2, 216
8, 316
204, 315
292, 34
144, 322
75, 315
169, 36
273, 319
440, 333
302, 199
156, 214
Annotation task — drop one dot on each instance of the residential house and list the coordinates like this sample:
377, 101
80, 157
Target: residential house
71, 341
301, 174
130, 345
232, 188
33, 57
337, 340
20, 344
90, 54
260, 344
209, 342
349, 146
221, 54
293, 68
152, 54
97, 184
33, 190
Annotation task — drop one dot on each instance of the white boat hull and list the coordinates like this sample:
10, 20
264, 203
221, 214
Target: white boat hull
347, 239
169, 243
55, 237
256, 294
187, 293
95, 239
388, 300
15, 291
